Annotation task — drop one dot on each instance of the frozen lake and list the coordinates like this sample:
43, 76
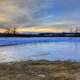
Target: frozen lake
40, 48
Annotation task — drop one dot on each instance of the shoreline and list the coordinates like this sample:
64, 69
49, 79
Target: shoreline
40, 70
6, 41
48, 34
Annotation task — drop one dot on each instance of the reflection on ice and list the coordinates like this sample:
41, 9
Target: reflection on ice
49, 50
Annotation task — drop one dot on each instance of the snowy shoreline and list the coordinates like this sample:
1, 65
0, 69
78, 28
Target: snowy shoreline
14, 40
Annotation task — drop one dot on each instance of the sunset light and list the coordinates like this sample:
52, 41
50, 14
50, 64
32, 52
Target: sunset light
40, 30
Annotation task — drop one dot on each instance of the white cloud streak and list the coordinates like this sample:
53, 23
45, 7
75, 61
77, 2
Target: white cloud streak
23, 12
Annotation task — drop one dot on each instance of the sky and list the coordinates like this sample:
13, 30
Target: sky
40, 13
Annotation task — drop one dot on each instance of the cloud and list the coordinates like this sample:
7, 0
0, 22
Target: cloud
39, 12
20, 11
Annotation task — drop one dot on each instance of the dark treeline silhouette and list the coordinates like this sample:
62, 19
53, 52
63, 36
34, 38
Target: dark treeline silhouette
14, 34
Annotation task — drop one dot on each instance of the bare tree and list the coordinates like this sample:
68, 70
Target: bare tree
14, 30
8, 30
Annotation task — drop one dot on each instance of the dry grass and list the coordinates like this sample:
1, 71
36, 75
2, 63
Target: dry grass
40, 70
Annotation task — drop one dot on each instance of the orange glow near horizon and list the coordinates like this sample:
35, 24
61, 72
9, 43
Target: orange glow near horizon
2, 30
39, 30
35, 29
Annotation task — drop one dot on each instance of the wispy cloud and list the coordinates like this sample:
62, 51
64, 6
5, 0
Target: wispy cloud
39, 12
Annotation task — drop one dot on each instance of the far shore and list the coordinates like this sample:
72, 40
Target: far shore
63, 34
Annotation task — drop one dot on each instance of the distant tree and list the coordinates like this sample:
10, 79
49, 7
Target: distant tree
14, 30
8, 30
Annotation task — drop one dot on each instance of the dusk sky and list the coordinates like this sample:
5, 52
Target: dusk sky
40, 13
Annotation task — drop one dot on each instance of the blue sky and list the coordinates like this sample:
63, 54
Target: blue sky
40, 12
